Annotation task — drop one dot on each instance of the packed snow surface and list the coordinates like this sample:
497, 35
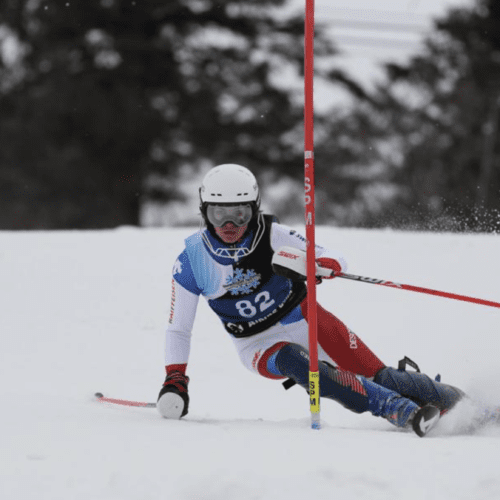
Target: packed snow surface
86, 311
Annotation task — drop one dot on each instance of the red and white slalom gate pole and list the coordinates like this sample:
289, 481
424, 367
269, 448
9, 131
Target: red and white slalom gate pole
310, 212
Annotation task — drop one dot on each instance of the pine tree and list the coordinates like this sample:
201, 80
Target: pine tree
109, 99
423, 149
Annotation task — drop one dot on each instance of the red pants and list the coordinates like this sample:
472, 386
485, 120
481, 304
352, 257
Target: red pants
343, 346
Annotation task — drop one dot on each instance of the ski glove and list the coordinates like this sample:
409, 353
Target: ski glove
173, 400
328, 263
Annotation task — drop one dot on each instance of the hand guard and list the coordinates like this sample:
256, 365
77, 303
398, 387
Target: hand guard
173, 400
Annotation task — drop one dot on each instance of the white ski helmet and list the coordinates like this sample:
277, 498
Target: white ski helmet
230, 183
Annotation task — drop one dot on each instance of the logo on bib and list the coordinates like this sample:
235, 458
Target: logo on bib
242, 282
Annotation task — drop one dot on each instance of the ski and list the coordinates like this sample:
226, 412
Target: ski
485, 417
469, 417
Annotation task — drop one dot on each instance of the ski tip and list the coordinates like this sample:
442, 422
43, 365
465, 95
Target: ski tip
98, 395
425, 419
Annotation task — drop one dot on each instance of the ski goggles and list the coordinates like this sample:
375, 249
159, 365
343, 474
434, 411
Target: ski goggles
239, 215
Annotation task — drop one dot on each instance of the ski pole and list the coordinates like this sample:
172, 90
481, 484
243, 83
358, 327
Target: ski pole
391, 284
291, 262
123, 402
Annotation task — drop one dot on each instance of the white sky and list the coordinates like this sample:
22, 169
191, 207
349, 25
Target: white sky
369, 33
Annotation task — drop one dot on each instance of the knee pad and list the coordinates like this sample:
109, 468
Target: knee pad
419, 388
292, 361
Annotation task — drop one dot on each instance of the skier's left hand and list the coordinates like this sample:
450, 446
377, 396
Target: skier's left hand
328, 263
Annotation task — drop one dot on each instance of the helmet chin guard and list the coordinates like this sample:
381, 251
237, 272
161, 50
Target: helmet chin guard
230, 251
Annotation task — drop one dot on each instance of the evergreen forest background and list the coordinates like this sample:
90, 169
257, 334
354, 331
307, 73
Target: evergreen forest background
108, 107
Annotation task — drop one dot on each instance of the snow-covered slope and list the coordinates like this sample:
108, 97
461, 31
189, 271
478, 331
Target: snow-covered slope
85, 311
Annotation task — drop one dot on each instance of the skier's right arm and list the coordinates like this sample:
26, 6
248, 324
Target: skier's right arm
173, 399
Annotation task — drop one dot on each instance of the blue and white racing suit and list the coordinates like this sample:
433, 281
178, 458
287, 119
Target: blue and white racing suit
257, 307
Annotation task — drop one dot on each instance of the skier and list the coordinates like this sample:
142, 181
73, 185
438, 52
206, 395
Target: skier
229, 262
